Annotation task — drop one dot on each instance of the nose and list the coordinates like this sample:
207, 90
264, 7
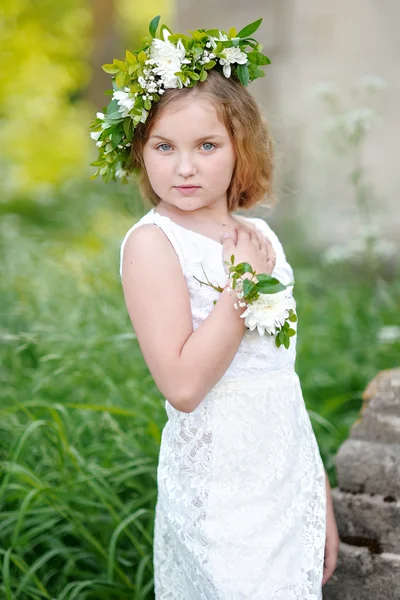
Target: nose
185, 166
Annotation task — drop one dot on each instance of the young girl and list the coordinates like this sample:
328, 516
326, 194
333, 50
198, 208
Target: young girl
242, 510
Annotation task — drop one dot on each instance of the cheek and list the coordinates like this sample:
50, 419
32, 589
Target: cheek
223, 163
155, 166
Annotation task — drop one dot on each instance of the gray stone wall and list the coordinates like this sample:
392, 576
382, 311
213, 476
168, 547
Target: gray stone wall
367, 501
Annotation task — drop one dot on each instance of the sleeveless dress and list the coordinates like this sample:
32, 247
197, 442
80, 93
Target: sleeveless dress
241, 504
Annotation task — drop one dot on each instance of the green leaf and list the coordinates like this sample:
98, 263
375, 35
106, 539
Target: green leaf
203, 75
142, 57
120, 63
244, 267
210, 65
247, 286
266, 278
154, 25
278, 340
291, 332
163, 27
198, 36
147, 104
115, 116
249, 29
133, 67
255, 71
258, 59
293, 318
130, 57
112, 107
178, 36
213, 32
243, 74
232, 32
120, 79
128, 127
111, 69
116, 138
269, 288
192, 75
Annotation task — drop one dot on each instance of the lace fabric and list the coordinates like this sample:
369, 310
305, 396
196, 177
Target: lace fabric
241, 506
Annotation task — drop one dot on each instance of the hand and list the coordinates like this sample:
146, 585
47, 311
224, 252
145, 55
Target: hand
332, 539
251, 246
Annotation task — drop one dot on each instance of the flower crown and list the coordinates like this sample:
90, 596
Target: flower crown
167, 61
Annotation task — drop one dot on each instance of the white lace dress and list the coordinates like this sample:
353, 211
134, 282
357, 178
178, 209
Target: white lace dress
241, 506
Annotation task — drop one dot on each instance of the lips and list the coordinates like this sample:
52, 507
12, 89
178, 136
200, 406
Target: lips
187, 187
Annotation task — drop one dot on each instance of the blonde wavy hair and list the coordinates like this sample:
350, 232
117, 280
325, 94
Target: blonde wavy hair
249, 131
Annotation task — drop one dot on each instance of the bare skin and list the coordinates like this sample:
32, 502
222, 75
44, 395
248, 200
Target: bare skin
332, 536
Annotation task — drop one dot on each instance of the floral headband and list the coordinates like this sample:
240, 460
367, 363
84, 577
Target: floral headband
165, 61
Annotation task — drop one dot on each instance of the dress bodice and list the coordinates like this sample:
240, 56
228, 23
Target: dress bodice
256, 354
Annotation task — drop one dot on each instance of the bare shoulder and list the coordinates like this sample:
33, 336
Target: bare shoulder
147, 246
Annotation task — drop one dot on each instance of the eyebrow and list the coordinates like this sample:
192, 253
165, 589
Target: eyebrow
203, 137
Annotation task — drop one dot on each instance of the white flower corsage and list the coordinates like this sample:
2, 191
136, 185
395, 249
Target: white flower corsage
270, 303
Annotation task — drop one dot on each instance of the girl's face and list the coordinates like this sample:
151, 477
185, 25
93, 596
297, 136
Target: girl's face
189, 146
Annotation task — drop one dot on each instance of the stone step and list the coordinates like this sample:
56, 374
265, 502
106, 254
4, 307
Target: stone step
370, 521
362, 575
377, 427
369, 467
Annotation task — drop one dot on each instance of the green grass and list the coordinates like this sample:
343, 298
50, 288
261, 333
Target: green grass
80, 416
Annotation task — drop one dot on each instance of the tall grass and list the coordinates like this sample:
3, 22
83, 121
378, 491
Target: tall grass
80, 416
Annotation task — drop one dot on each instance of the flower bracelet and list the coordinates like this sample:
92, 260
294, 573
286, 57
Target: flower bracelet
270, 303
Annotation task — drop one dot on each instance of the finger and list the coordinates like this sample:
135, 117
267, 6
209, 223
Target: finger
242, 235
227, 241
260, 236
269, 246
329, 565
255, 239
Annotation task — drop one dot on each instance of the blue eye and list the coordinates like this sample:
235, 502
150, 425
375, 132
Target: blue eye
163, 145
208, 144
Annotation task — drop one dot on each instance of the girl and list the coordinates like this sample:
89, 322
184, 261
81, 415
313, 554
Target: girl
244, 510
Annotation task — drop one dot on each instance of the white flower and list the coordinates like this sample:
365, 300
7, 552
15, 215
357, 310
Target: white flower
389, 334
95, 135
371, 83
100, 115
125, 101
269, 311
222, 37
230, 56
144, 115
120, 172
168, 59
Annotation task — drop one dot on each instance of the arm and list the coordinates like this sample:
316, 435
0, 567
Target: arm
185, 364
332, 535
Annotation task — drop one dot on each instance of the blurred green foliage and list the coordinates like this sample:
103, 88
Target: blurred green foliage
43, 123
